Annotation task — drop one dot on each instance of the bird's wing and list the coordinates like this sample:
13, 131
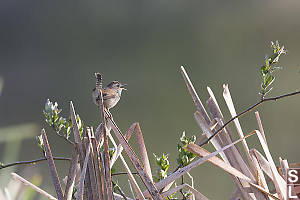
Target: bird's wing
109, 94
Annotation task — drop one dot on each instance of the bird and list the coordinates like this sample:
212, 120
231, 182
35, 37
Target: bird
111, 94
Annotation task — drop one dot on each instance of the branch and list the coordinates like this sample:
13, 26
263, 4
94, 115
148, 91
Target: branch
122, 173
32, 161
120, 191
248, 110
69, 141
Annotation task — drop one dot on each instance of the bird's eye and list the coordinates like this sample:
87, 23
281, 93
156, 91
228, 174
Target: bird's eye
118, 85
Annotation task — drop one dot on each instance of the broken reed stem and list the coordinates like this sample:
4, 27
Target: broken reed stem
52, 167
37, 189
107, 170
96, 165
71, 175
25, 162
130, 176
90, 167
184, 170
84, 171
80, 146
119, 149
194, 95
102, 177
260, 126
143, 150
135, 161
248, 110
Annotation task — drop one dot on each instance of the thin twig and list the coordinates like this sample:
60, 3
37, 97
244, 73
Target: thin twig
130, 186
122, 173
32, 161
181, 191
248, 110
180, 187
62, 136
120, 191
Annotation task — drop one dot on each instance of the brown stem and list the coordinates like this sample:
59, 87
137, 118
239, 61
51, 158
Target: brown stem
52, 167
107, 172
248, 110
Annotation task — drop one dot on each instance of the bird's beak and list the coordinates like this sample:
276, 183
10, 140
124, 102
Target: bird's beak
123, 86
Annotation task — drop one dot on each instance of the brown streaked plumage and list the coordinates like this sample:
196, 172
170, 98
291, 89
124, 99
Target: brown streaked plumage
111, 94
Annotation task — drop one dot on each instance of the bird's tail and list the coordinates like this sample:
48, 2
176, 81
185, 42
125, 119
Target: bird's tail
99, 80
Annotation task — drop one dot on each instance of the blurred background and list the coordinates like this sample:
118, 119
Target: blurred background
50, 49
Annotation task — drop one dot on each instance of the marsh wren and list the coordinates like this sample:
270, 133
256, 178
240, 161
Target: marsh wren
111, 94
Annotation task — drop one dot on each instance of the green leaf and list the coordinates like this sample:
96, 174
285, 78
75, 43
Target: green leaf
80, 125
113, 170
263, 70
187, 195
267, 63
267, 70
163, 165
183, 138
268, 90
192, 139
185, 157
156, 159
40, 142
268, 80
111, 152
48, 107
